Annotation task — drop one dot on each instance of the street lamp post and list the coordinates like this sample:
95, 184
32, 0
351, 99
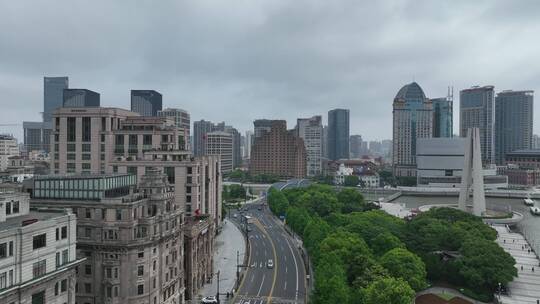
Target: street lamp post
217, 292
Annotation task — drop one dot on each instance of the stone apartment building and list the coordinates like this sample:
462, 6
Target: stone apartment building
37, 252
82, 139
132, 238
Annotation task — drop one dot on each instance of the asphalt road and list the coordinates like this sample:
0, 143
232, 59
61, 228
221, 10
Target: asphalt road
285, 281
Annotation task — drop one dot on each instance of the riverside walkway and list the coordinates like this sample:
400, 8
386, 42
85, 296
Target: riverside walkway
525, 289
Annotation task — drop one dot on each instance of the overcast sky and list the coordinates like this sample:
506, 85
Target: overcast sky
236, 61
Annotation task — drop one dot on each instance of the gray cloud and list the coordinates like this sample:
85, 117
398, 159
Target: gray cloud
236, 61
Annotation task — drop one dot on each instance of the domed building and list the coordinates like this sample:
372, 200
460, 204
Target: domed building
412, 119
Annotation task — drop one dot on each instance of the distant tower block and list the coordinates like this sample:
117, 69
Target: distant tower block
472, 175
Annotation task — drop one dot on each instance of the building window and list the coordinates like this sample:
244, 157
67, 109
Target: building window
64, 232
58, 262
88, 269
86, 129
118, 214
86, 148
3, 280
115, 291
65, 257
3, 250
8, 208
71, 129
109, 292
38, 298
88, 213
87, 288
140, 289
108, 272
39, 268
140, 270
40, 241
87, 232
63, 285
141, 254
16, 207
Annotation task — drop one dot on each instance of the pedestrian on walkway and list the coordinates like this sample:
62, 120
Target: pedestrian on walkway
504, 241
521, 267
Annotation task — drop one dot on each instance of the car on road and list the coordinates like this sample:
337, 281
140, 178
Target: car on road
535, 210
209, 300
270, 264
234, 215
260, 208
528, 202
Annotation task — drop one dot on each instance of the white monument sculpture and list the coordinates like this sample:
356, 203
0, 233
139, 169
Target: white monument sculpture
472, 175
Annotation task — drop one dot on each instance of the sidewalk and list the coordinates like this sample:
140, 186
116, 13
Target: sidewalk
227, 244
526, 287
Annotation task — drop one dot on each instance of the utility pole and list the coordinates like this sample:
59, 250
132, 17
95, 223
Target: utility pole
237, 265
217, 293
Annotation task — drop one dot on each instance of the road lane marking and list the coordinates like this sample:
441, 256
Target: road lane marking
296, 266
260, 288
285, 288
275, 260
285, 269
252, 278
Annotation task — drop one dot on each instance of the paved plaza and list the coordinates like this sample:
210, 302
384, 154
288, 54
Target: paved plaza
526, 287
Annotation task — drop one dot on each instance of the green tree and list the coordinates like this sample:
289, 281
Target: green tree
485, 264
277, 201
385, 242
351, 201
404, 264
351, 181
388, 291
330, 286
316, 230
297, 219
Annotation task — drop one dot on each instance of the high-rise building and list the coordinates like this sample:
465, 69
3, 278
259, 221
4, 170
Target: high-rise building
338, 134
412, 119
261, 126
477, 110
355, 143
221, 143
535, 142
325, 142
248, 143
386, 146
53, 95
279, 152
8, 148
37, 248
310, 130
375, 147
181, 119
442, 116
200, 129
37, 135
146, 102
513, 122
83, 141
78, 98
236, 145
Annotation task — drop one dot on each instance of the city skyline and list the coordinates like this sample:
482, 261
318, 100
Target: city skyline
250, 66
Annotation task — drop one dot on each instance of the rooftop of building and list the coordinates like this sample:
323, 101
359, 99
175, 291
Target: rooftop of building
411, 91
519, 92
526, 152
79, 176
35, 215
94, 111
479, 88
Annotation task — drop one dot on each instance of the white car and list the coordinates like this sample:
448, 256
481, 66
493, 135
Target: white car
270, 264
528, 202
535, 210
209, 300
